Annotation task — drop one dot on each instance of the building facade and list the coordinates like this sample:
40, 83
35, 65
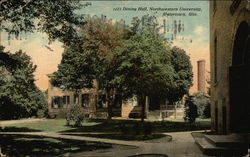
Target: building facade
230, 66
93, 103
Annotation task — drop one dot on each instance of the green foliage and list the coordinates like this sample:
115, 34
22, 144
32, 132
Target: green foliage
203, 104
76, 71
75, 115
19, 97
197, 105
128, 62
57, 18
184, 74
91, 59
144, 66
191, 112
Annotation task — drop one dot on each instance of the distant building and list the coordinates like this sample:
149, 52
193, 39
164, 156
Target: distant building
93, 102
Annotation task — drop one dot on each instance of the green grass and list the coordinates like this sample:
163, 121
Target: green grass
17, 145
128, 137
109, 126
50, 125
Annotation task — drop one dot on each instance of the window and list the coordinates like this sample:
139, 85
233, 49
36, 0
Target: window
100, 84
56, 102
85, 100
60, 102
102, 100
76, 99
65, 100
117, 101
215, 60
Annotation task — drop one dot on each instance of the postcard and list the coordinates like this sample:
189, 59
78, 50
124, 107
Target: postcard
124, 78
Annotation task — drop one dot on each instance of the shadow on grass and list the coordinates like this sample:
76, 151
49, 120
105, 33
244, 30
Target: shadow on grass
17, 129
17, 145
128, 137
136, 127
149, 155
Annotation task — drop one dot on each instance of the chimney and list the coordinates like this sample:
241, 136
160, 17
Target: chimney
201, 76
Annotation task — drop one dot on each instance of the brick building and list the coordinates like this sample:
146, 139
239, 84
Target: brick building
93, 102
230, 79
230, 61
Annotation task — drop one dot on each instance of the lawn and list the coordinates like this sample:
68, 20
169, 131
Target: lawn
16, 145
130, 130
109, 126
49, 125
128, 137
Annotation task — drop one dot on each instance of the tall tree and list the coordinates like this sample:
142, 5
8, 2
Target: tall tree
184, 78
144, 67
19, 97
91, 59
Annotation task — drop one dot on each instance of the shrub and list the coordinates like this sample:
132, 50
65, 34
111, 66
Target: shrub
197, 105
40, 113
75, 115
190, 110
203, 104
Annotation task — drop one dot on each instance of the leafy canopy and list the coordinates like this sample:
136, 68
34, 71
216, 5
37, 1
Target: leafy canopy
144, 66
19, 97
184, 75
131, 62
90, 59
57, 18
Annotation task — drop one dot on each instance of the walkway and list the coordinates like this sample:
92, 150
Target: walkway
182, 145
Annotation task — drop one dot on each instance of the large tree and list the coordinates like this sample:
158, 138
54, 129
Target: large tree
19, 97
91, 59
148, 66
128, 62
144, 67
57, 18
184, 75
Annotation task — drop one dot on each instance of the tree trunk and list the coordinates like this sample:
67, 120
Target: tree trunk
96, 101
109, 104
143, 109
97, 97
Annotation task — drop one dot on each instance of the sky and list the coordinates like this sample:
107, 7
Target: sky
194, 39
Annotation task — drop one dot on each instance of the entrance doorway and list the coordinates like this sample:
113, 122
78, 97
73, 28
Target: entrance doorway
239, 75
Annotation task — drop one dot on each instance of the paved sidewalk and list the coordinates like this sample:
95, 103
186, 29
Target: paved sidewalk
182, 145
